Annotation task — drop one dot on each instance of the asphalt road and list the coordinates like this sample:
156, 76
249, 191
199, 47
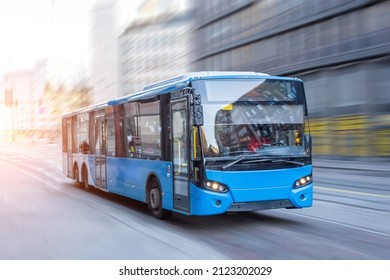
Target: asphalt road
43, 215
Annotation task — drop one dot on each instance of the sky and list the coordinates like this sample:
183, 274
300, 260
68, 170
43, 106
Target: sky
33, 29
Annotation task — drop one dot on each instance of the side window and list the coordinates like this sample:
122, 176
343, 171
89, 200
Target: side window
75, 148
149, 127
131, 135
82, 133
110, 135
142, 130
150, 131
64, 136
91, 132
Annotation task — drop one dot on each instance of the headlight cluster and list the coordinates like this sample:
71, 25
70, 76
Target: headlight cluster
303, 181
215, 186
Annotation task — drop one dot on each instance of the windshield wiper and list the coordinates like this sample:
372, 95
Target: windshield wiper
242, 158
261, 160
232, 163
280, 160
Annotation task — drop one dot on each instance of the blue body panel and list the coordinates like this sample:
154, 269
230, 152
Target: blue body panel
259, 185
128, 177
204, 202
252, 186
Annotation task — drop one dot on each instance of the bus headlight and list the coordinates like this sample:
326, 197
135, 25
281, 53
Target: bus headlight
305, 180
215, 186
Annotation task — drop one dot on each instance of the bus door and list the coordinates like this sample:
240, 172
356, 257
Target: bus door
69, 148
180, 144
100, 150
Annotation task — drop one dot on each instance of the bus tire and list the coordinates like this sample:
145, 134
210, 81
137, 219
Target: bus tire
84, 176
155, 201
76, 175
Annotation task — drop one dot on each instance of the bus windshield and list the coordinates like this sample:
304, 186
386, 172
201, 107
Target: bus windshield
264, 117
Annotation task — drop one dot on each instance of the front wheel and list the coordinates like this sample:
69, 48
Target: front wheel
155, 201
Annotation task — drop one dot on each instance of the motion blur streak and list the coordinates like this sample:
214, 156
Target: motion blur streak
343, 60
352, 192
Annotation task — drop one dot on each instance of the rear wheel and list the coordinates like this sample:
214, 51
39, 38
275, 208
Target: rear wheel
77, 176
85, 184
155, 201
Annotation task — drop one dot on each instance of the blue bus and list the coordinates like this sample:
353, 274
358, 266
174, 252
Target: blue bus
204, 143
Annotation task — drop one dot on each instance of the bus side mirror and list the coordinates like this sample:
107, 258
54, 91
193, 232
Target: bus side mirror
197, 109
198, 115
308, 140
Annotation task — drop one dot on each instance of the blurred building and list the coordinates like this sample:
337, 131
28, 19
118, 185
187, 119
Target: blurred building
104, 49
68, 30
6, 105
59, 99
156, 45
31, 105
27, 107
341, 49
38, 80
17, 117
108, 20
6, 100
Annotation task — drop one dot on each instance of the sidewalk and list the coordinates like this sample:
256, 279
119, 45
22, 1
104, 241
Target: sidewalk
371, 164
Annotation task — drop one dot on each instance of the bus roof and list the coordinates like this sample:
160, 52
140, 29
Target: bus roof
204, 74
174, 84
182, 81
85, 109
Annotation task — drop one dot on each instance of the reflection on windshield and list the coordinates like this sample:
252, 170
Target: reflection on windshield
267, 119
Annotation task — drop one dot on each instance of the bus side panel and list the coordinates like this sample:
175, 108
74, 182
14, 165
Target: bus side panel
116, 168
128, 177
91, 170
65, 170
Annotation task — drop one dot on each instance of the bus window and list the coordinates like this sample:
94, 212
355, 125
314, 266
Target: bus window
82, 132
110, 135
149, 128
130, 129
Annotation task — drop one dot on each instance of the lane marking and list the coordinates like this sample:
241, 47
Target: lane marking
337, 223
352, 192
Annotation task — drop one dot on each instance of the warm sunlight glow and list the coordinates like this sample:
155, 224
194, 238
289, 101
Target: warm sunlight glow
5, 124
42, 42
32, 30
23, 29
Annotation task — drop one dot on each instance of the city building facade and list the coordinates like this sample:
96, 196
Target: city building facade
340, 49
17, 115
108, 19
155, 46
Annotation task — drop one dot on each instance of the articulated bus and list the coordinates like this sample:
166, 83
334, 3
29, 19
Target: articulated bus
203, 143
